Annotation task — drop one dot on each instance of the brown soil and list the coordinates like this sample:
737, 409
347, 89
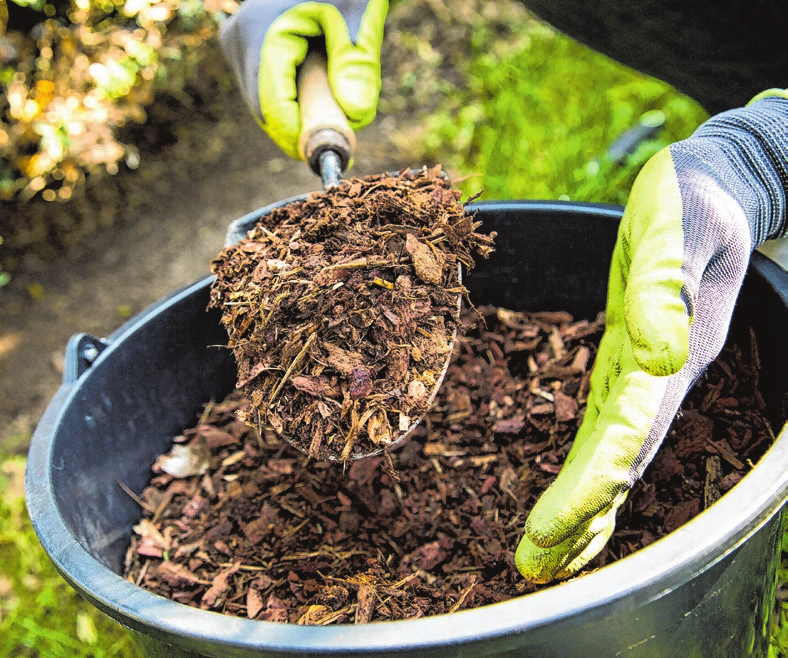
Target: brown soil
255, 529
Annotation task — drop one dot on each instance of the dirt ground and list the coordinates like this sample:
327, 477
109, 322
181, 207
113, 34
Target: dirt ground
166, 243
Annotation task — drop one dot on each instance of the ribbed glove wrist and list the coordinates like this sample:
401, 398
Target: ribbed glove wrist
753, 143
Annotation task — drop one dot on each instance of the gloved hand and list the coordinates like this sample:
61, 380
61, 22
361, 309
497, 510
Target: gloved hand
266, 40
696, 211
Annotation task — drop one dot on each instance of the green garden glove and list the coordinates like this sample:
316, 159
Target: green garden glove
266, 40
697, 210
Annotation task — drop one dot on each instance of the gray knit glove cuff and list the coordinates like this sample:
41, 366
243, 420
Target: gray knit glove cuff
746, 151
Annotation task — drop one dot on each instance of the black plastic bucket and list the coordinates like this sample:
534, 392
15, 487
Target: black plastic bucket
705, 590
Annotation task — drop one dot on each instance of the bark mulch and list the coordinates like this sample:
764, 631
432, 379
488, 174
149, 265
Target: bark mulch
342, 309
249, 526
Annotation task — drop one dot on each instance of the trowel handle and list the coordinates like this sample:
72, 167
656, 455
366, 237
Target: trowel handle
324, 125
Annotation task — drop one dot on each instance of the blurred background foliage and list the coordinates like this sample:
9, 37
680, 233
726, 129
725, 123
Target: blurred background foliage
74, 72
89, 88
522, 110
40, 615
78, 81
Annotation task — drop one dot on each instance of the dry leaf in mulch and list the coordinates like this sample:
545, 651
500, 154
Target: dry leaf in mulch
341, 309
268, 534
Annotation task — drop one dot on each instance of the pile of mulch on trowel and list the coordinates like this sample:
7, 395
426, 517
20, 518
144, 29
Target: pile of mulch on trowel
341, 309
242, 523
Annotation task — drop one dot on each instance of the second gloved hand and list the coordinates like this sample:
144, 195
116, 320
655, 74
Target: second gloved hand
695, 213
266, 40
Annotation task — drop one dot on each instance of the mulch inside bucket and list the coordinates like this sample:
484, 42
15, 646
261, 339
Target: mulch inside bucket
261, 531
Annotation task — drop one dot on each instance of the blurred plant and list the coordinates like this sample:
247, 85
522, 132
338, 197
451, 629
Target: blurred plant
538, 122
73, 72
5, 277
779, 644
522, 110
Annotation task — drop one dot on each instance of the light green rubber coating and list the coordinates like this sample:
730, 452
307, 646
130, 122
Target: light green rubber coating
353, 66
646, 338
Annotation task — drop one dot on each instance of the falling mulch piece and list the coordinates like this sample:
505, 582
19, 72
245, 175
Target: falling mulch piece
264, 532
342, 309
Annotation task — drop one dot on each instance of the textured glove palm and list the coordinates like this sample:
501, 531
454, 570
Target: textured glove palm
695, 213
266, 40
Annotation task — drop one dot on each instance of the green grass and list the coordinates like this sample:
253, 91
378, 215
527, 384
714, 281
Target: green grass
536, 122
40, 615
779, 648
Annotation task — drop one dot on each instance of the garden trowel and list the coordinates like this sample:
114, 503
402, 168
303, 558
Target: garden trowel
327, 143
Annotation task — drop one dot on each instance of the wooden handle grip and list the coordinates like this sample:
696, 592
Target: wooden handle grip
323, 123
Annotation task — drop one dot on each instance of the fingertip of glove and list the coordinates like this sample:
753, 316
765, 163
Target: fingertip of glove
533, 563
660, 362
664, 352
280, 119
287, 145
544, 533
